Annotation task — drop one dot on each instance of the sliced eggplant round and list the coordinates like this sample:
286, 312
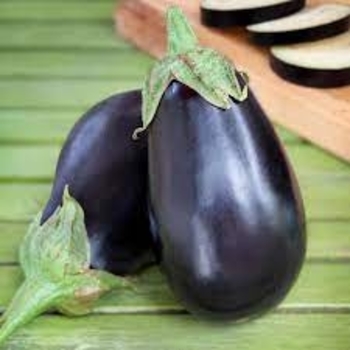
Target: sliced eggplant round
323, 63
227, 13
313, 23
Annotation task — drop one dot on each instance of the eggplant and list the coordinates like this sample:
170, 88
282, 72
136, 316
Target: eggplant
323, 63
312, 23
107, 174
74, 248
222, 14
225, 201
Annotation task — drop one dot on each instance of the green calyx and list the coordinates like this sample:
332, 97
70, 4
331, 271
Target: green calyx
204, 70
55, 258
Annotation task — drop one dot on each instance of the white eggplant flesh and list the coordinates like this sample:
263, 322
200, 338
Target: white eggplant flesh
322, 63
227, 13
312, 23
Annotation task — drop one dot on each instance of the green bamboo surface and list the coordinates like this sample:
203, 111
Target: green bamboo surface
57, 59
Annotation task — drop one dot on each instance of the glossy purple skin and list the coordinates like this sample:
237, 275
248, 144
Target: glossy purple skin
226, 206
107, 174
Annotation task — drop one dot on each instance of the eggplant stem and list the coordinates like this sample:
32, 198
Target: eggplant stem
183, 38
32, 299
204, 70
55, 258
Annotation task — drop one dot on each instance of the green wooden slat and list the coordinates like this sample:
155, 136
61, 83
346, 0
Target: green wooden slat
44, 10
52, 126
312, 161
113, 64
327, 241
37, 126
326, 194
22, 201
56, 35
324, 199
29, 162
311, 165
11, 235
319, 284
56, 93
184, 332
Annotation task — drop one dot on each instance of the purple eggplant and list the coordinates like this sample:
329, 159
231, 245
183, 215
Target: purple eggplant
226, 202
107, 174
72, 246
224, 199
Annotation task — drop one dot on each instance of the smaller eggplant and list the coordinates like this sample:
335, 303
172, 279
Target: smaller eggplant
72, 244
107, 174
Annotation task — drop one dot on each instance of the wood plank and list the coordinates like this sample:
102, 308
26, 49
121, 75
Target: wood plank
325, 181
310, 163
47, 126
73, 35
20, 202
319, 284
327, 241
179, 332
41, 126
42, 10
58, 93
112, 64
28, 162
326, 122
324, 199
11, 235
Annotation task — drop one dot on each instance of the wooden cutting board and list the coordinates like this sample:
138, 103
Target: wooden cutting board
319, 115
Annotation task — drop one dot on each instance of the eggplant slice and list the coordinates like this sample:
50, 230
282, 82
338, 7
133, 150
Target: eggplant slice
323, 63
313, 23
226, 13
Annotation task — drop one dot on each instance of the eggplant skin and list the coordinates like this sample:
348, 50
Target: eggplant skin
107, 174
227, 206
224, 19
320, 78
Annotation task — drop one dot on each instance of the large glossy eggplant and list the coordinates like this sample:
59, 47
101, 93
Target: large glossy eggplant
107, 174
223, 195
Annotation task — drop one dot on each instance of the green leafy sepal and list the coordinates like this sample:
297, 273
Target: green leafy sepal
204, 70
55, 258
